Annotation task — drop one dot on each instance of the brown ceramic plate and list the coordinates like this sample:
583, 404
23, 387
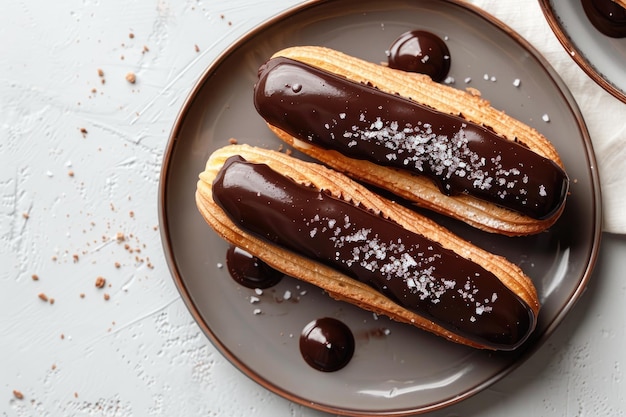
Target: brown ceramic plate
601, 57
396, 369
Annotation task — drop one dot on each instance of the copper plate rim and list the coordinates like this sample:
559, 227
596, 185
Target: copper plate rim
529, 349
575, 54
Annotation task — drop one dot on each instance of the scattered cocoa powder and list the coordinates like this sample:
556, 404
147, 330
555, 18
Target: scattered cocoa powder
131, 77
100, 282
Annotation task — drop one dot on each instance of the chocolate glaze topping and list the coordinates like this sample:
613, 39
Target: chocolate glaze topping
422, 52
365, 123
413, 271
606, 16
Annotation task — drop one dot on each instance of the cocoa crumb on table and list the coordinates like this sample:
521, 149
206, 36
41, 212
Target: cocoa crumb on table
18, 394
100, 282
42, 296
131, 77
107, 297
35, 277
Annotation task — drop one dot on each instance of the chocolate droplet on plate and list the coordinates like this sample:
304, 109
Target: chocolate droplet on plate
250, 271
327, 344
422, 52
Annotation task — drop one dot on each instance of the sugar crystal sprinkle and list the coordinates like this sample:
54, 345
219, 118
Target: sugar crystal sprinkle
421, 148
393, 259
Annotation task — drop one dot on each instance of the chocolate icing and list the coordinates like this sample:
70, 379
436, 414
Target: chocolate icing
422, 52
606, 16
363, 122
415, 272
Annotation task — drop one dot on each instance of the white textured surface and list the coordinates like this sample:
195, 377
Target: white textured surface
79, 171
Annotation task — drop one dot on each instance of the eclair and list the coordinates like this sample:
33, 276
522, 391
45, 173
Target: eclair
320, 226
436, 146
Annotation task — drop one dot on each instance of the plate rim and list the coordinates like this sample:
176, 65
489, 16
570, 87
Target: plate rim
528, 349
575, 54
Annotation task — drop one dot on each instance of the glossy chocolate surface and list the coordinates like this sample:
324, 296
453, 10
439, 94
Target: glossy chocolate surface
327, 344
250, 271
362, 122
606, 16
422, 52
413, 271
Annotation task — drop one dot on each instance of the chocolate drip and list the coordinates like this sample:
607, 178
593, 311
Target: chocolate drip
250, 271
606, 16
327, 344
415, 272
422, 52
362, 122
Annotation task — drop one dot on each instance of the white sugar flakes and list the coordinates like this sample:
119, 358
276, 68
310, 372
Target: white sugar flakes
421, 148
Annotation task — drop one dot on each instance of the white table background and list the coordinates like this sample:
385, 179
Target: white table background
81, 155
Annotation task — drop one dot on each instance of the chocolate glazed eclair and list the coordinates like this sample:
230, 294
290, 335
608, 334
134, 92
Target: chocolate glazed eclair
318, 225
439, 147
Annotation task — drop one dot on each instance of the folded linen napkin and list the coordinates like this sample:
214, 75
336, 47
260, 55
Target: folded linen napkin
604, 114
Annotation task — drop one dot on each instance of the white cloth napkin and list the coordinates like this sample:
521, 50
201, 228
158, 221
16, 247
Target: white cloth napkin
604, 115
